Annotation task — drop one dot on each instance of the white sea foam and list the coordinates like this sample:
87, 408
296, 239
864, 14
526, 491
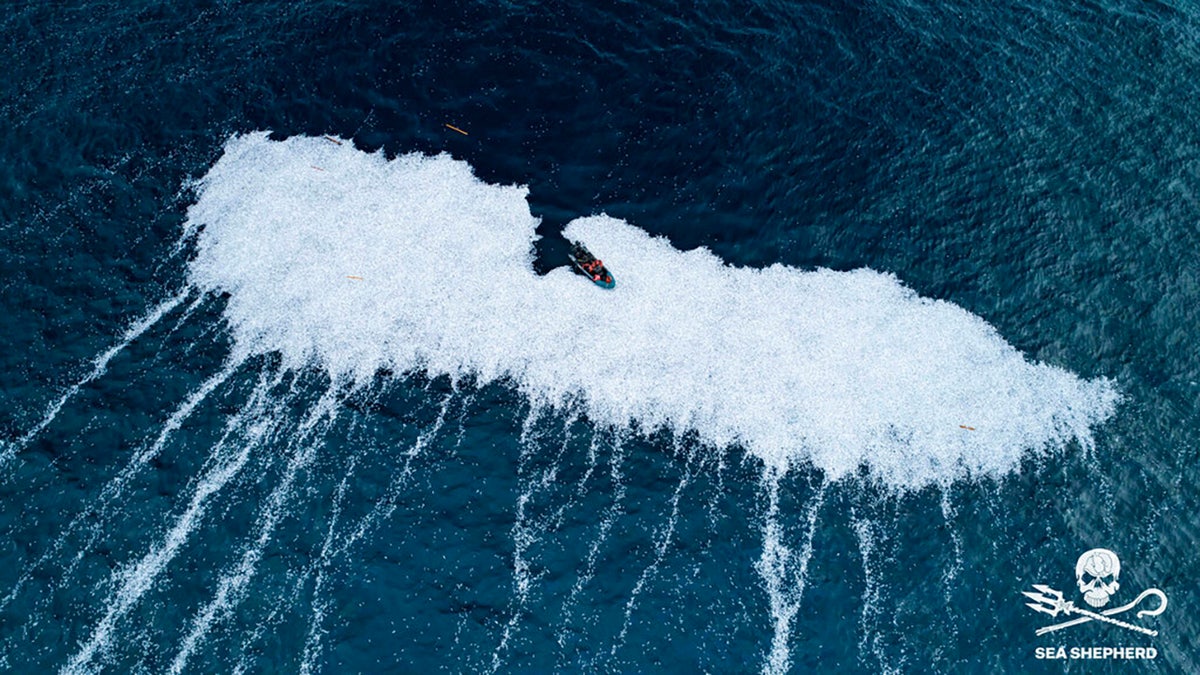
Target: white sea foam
607, 520
352, 262
99, 365
784, 572
133, 581
231, 588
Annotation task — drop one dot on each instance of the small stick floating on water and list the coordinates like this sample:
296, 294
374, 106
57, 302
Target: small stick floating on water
963, 426
351, 276
451, 126
316, 167
332, 139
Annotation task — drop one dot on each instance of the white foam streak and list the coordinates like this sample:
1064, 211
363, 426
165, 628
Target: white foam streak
527, 532
868, 621
662, 543
380, 512
524, 535
312, 643
383, 509
114, 489
175, 420
783, 571
413, 264
99, 366
232, 585
606, 523
950, 574
135, 580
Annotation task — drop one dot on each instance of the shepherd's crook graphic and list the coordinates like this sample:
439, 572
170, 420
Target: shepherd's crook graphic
1162, 605
1051, 602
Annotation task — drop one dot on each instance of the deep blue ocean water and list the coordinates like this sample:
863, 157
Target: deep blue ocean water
167, 507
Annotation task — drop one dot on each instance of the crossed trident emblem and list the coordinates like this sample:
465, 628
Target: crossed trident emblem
1097, 574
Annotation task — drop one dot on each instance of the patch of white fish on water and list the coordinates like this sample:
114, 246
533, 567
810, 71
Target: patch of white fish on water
354, 262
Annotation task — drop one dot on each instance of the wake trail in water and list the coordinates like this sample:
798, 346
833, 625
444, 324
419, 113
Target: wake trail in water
784, 572
231, 588
868, 540
549, 477
100, 508
134, 581
951, 573
312, 642
99, 366
524, 534
187, 312
319, 604
333, 548
607, 520
662, 543
114, 490
386, 505
463, 409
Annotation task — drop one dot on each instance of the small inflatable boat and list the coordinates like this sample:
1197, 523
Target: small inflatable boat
590, 266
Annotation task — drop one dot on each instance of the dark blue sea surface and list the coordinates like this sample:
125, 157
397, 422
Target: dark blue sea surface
173, 500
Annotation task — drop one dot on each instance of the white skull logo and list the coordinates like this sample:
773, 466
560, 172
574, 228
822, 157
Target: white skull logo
1097, 572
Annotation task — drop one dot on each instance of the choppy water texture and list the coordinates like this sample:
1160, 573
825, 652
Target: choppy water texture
295, 378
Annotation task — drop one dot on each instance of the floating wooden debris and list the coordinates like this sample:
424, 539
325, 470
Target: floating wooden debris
451, 126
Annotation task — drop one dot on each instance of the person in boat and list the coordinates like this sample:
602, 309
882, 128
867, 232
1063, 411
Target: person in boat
594, 267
